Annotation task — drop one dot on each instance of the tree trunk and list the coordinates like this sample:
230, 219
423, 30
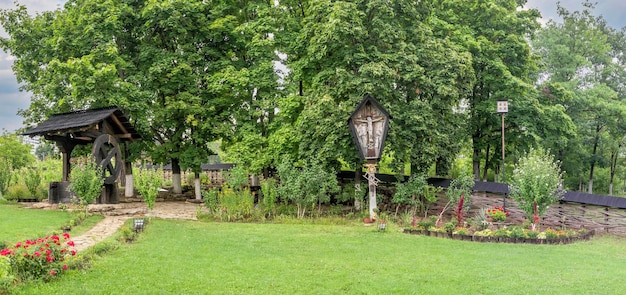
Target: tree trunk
593, 159
176, 179
476, 164
196, 182
486, 168
129, 185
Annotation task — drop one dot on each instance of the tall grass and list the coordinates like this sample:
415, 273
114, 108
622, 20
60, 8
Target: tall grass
186, 257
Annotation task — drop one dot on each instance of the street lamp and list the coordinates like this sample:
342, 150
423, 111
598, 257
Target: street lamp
503, 108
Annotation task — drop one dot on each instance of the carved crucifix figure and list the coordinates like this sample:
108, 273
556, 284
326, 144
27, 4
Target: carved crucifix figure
370, 130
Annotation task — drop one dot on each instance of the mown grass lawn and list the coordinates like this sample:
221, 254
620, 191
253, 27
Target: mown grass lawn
19, 223
186, 257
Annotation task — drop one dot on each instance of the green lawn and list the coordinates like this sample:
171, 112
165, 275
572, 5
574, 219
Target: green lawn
22, 223
187, 257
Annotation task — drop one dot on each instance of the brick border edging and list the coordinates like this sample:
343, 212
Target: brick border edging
558, 241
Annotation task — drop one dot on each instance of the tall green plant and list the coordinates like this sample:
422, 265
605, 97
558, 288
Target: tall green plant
459, 192
306, 187
32, 180
5, 174
86, 181
535, 183
270, 196
148, 182
416, 193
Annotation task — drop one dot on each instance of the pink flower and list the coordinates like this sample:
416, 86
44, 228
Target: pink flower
71, 243
53, 272
37, 254
64, 266
73, 252
50, 258
5, 252
66, 236
19, 244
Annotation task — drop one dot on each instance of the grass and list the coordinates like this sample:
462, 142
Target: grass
187, 257
20, 223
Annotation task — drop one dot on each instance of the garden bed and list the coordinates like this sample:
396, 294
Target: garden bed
582, 236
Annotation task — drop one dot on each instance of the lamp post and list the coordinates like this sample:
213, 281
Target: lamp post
369, 124
503, 108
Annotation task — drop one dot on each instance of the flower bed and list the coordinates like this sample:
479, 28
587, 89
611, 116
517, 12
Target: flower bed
513, 235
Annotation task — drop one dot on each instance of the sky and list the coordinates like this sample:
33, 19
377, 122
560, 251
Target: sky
12, 100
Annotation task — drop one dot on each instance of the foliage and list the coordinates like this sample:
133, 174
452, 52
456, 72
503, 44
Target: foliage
270, 195
211, 199
497, 214
535, 183
32, 179
13, 148
86, 181
460, 192
417, 193
306, 187
237, 178
148, 183
234, 205
40, 258
5, 174
16, 192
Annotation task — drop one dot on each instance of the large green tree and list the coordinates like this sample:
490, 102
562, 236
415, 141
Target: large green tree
177, 67
584, 72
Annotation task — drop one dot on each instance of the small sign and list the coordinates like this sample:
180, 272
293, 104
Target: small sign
503, 106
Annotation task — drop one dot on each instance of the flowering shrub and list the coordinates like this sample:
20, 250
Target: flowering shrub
40, 258
498, 214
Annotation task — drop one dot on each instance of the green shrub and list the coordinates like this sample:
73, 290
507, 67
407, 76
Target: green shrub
211, 199
235, 205
532, 234
148, 182
86, 181
535, 183
32, 180
517, 232
270, 196
17, 191
5, 174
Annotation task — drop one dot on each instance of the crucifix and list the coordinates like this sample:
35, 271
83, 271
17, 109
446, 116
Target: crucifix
369, 124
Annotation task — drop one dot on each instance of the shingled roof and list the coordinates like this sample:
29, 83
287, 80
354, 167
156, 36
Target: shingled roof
78, 120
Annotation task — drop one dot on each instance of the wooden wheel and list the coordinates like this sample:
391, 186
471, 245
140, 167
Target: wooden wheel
106, 152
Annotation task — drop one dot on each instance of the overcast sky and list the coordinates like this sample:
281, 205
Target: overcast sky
11, 100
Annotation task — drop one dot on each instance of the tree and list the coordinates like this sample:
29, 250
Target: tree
495, 33
583, 63
338, 51
417, 193
15, 150
535, 183
178, 68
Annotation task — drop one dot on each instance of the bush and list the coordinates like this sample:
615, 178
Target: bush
270, 196
211, 199
17, 191
535, 183
148, 182
86, 181
32, 180
41, 258
5, 174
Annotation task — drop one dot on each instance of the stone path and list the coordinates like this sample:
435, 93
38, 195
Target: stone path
116, 214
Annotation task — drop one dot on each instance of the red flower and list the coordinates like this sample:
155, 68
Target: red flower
37, 254
19, 244
71, 243
6, 252
73, 252
50, 258
48, 252
66, 236
64, 266
53, 272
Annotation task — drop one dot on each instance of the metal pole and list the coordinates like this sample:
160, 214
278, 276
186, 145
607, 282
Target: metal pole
503, 172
